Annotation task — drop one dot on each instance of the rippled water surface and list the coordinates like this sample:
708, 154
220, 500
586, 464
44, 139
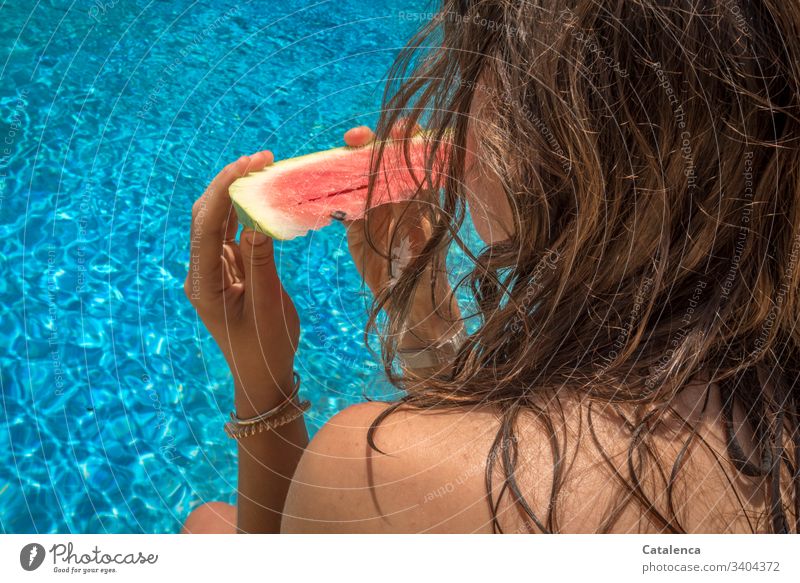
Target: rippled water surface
115, 115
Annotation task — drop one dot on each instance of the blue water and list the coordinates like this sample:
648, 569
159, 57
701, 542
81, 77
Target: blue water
115, 115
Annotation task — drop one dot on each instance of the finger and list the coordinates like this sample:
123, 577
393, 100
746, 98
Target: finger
233, 260
356, 234
231, 225
411, 219
382, 228
228, 277
359, 136
404, 128
260, 274
258, 161
211, 216
353, 226
208, 215
236, 261
216, 201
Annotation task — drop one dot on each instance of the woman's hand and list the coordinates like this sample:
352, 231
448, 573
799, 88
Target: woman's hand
400, 231
237, 294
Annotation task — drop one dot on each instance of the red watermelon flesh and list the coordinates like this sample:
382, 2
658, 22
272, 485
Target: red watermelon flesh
292, 197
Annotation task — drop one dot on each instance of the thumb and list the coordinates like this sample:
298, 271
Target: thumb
354, 230
258, 256
352, 224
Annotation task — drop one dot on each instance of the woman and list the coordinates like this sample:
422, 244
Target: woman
633, 168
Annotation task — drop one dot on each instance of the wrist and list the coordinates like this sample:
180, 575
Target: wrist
436, 354
252, 397
428, 323
428, 332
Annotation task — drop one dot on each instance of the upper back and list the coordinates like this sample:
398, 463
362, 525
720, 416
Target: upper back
430, 474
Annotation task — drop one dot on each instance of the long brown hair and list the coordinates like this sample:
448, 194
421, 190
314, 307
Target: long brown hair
649, 153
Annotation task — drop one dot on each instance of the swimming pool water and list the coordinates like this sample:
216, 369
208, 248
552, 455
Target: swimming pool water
115, 115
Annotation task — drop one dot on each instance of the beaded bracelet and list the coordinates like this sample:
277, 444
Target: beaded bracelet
282, 414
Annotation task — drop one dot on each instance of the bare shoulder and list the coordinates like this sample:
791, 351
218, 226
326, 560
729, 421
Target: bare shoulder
430, 472
427, 476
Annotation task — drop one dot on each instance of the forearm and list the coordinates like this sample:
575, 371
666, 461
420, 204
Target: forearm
267, 462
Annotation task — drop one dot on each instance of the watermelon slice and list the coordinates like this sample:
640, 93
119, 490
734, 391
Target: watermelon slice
292, 197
